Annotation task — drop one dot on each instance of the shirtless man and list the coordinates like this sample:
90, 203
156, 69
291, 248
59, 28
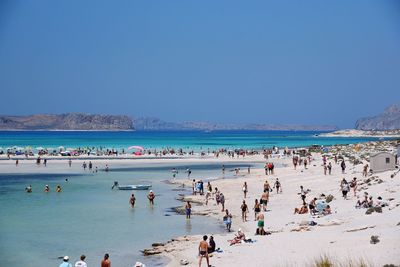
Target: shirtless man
106, 262
264, 199
260, 223
203, 251
151, 197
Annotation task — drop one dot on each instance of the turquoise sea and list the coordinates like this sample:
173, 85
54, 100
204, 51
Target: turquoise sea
88, 217
196, 140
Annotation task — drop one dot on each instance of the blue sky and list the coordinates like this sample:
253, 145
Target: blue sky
309, 62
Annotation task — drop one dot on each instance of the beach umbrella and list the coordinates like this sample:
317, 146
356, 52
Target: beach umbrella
135, 147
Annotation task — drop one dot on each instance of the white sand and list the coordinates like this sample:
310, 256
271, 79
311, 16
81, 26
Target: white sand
287, 248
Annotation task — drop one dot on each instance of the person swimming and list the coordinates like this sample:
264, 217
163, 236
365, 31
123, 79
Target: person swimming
29, 189
58, 189
46, 188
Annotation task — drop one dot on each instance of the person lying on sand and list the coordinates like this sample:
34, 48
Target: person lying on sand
302, 210
327, 210
239, 236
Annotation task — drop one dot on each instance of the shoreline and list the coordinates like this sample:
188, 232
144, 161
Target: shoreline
362, 133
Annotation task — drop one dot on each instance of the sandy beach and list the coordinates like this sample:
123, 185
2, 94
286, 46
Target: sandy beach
343, 235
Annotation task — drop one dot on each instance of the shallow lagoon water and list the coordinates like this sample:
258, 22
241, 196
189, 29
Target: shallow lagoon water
90, 218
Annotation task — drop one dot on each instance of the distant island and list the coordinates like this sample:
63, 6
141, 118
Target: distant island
93, 122
68, 121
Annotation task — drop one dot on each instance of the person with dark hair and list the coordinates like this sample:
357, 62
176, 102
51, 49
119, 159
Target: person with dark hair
106, 262
211, 245
81, 262
203, 251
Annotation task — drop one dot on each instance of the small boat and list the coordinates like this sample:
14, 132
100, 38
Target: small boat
131, 186
134, 187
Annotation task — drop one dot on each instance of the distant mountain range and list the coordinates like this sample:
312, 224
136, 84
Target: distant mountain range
82, 121
147, 123
69, 121
388, 120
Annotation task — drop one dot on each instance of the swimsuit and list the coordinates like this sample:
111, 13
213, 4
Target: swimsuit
260, 223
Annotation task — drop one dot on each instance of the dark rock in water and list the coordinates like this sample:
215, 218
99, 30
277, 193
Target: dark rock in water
149, 252
374, 239
166, 214
390, 265
157, 244
398, 224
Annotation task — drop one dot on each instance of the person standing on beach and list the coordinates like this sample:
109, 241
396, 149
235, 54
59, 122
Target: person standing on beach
343, 166
188, 209
256, 208
189, 172
277, 185
245, 210
325, 169
264, 199
203, 251
245, 189
106, 262
266, 168
344, 185
70, 162
223, 169
330, 168
81, 262
295, 160
222, 201
132, 200
260, 224
303, 195
365, 170
353, 184
227, 219
151, 197
305, 163
84, 165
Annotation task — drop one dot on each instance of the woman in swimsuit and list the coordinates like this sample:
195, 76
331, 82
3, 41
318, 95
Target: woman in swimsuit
244, 189
151, 197
188, 209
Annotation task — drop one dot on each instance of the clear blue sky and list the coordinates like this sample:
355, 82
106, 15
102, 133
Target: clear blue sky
311, 62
